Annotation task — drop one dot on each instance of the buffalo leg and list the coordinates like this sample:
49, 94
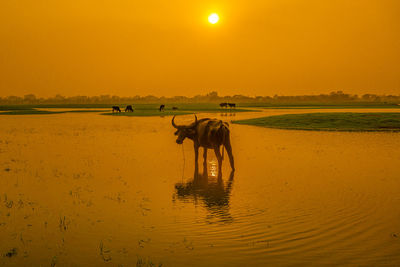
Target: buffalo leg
196, 159
228, 148
205, 162
219, 158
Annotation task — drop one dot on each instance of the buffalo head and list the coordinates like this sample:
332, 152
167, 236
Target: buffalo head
184, 131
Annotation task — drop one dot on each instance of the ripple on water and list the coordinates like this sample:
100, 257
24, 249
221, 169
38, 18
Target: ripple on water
291, 206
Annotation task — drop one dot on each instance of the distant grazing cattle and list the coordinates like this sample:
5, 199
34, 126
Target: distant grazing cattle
162, 107
174, 108
116, 109
223, 105
129, 108
232, 105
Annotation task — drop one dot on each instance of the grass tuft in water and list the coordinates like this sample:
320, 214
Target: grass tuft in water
11, 253
141, 262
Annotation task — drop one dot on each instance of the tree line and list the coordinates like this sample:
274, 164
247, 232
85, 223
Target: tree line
212, 97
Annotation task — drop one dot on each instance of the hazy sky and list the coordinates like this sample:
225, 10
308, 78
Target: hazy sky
259, 47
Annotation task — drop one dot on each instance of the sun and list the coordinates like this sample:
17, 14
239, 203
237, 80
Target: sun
213, 18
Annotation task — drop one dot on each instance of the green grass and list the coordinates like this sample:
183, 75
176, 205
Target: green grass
142, 113
344, 121
33, 106
186, 109
42, 112
139, 109
321, 105
28, 112
153, 109
183, 108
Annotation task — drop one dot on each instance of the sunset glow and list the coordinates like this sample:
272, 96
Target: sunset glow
199, 133
213, 18
283, 47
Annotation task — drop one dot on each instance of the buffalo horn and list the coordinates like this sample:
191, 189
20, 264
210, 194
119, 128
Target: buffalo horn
173, 123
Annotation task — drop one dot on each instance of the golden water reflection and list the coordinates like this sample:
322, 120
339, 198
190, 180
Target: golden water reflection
212, 193
91, 190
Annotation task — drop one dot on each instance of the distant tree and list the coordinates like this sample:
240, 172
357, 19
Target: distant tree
59, 99
14, 100
213, 94
211, 97
151, 99
105, 99
29, 99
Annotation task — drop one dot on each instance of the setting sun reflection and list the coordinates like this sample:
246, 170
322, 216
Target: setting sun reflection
213, 168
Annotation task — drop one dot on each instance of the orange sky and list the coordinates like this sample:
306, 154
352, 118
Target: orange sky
259, 47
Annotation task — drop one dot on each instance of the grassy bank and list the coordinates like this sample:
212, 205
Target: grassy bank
170, 112
43, 112
182, 108
153, 110
139, 109
143, 113
353, 105
345, 121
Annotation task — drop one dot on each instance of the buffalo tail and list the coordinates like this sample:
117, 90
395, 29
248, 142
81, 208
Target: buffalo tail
222, 132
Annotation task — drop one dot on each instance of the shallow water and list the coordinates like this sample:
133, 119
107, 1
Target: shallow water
91, 190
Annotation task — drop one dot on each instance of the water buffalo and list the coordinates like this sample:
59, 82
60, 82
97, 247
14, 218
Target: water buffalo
232, 105
162, 107
174, 108
116, 109
223, 105
129, 108
209, 134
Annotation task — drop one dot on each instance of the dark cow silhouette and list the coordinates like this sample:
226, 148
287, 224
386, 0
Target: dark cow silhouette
209, 134
116, 109
174, 108
162, 107
223, 105
232, 105
129, 108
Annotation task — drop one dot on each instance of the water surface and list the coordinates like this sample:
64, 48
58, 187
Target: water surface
91, 190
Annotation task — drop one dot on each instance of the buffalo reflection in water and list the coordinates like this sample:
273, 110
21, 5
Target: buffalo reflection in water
211, 191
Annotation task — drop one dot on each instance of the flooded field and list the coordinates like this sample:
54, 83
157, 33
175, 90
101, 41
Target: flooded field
91, 190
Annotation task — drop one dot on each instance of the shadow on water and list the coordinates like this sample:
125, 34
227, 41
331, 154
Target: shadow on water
212, 192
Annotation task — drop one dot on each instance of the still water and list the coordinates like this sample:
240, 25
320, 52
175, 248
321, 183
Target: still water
91, 190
